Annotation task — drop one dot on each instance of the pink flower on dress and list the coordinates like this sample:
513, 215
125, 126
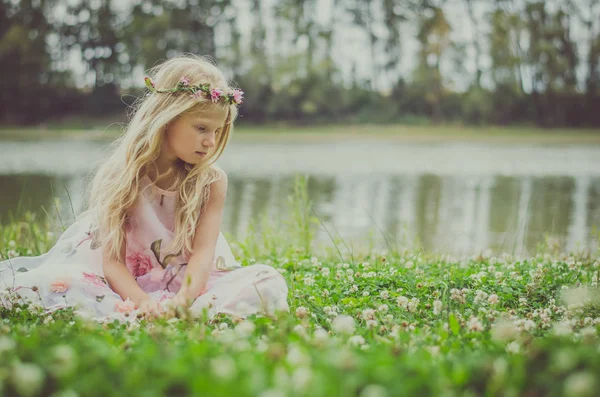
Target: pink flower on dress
185, 81
139, 264
93, 279
215, 94
126, 306
60, 285
238, 96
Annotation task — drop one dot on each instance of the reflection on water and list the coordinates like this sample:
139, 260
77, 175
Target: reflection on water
453, 214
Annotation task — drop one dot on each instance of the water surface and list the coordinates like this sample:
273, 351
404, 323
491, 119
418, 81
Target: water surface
457, 198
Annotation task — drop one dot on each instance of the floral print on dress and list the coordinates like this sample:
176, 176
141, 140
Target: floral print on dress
151, 277
139, 264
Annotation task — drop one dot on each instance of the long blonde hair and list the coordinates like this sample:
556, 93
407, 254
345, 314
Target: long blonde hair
116, 185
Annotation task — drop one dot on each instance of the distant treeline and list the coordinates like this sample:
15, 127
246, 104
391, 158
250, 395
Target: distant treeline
533, 61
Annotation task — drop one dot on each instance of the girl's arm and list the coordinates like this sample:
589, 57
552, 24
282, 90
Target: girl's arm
204, 243
121, 280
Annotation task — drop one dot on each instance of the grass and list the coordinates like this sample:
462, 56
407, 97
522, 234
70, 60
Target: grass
399, 322
286, 133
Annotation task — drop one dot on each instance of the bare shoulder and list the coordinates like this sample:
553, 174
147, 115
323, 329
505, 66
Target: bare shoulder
220, 186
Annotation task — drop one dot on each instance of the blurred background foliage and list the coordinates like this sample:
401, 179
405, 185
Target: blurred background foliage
522, 62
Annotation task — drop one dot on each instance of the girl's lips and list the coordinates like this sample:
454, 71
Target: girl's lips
201, 154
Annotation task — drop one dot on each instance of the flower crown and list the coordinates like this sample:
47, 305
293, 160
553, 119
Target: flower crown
215, 94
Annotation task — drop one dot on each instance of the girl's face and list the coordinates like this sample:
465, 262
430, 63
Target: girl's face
191, 137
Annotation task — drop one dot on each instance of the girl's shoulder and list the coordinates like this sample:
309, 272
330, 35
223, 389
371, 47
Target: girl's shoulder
220, 171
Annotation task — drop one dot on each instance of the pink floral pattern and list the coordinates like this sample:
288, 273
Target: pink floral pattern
94, 279
139, 264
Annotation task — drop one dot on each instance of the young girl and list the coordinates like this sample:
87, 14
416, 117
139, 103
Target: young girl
150, 236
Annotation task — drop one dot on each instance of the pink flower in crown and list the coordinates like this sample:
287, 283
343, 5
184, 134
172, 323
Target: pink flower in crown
197, 94
185, 81
139, 264
215, 94
238, 96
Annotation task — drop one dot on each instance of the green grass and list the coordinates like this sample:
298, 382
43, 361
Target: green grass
286, 133
400, 322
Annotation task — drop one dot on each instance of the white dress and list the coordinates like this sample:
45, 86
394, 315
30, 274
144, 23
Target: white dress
70, 273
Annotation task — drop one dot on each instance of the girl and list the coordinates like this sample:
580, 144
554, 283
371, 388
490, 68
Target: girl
150, 236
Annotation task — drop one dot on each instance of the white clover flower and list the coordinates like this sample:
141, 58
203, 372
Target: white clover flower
562, 328
296, 356
513, 347
262, 345
301, 312
475, 324
354, 288
12, 244
493, 299
301, 378
222, 326
331, 310
65, 360
579, 296
308, 280
365, 293
374, 391
27, 378
343, 324
356, 340
522, 301
300, 330
368, 314
580, 384
384, 294
223, 367
503, 330
434, 350
320, 335
383, 308
402, 301
372, 324
437, 307
412, 305
529, 325
6, 344
245, 328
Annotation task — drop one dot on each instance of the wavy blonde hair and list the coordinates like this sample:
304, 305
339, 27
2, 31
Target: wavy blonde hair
116, 184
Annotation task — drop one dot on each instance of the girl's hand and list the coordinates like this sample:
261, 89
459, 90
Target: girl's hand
150, 308
180, 300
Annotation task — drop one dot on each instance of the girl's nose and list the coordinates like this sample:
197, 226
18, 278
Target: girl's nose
209, 141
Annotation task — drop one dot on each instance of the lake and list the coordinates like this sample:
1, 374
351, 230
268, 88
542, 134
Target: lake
455, 198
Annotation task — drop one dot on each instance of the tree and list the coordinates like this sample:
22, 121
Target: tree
24, 84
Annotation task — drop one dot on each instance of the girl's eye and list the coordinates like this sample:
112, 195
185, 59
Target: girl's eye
201, 128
